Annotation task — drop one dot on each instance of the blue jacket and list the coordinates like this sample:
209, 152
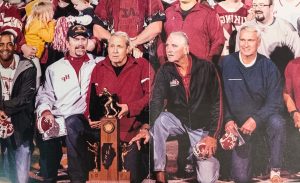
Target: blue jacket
254, 91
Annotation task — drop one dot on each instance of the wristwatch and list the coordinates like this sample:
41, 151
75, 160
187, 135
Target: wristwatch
292, 113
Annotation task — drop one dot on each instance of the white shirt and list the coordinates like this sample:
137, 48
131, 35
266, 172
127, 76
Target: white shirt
247, 65
6, 76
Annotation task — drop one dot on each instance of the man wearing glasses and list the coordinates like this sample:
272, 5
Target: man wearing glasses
275, 32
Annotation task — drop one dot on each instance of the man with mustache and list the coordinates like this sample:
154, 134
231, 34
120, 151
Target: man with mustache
275, 32
64, 95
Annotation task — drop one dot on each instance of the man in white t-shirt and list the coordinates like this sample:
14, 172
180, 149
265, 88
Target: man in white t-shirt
18, 82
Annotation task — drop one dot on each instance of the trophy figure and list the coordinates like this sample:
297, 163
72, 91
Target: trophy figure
125, 151
94, 149
110, 109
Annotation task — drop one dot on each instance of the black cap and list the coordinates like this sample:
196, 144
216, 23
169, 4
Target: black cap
78, 30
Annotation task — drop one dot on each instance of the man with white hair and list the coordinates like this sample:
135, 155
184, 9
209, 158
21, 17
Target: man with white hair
130, 79
190, 89
253, 91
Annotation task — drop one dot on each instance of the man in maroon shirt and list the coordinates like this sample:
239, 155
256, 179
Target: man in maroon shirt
130, 79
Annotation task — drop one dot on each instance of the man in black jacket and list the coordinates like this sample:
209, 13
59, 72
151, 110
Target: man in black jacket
190, 89
17, 89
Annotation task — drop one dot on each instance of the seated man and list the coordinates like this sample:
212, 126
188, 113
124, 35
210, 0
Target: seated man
191, 90
130, 79
253, 91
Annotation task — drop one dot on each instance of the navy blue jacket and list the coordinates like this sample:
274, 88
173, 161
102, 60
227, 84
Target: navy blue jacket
254, 91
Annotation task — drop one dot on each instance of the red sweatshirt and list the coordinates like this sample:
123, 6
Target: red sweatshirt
132, 87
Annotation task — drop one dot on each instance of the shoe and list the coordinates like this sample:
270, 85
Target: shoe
276, 179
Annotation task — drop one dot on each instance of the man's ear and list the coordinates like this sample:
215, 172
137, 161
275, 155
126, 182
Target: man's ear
67, 43
259, 41
128, 50
187, 50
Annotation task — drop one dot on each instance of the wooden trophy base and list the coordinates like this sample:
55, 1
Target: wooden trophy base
124, 177
109, 151
93, 176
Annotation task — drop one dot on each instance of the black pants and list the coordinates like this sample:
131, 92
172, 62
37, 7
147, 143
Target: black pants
51, 152
135, 163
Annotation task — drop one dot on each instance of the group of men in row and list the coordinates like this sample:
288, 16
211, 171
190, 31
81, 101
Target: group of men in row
187, 87
65, 94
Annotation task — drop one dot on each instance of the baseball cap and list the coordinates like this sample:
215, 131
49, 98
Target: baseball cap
78, 30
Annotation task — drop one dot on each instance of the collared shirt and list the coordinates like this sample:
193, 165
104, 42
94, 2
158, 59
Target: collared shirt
186, 79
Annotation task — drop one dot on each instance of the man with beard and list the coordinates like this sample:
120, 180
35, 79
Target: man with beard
275, 32
17, 75
64, 95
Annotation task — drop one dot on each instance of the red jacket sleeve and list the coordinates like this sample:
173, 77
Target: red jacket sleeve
215, 34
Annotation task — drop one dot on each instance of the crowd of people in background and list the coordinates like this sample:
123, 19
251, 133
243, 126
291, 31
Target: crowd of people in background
194, 68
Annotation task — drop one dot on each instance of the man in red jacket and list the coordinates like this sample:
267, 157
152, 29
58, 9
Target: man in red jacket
200, 23
130, 79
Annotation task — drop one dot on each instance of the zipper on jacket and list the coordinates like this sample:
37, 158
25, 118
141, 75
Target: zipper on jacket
190, 123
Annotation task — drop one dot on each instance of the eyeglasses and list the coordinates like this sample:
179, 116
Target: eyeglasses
260, 5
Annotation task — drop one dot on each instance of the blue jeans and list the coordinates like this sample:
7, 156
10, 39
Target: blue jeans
242, 156
16, 161
168, 125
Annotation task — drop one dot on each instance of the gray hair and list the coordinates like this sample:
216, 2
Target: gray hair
181, 34
251, 28
122, 34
